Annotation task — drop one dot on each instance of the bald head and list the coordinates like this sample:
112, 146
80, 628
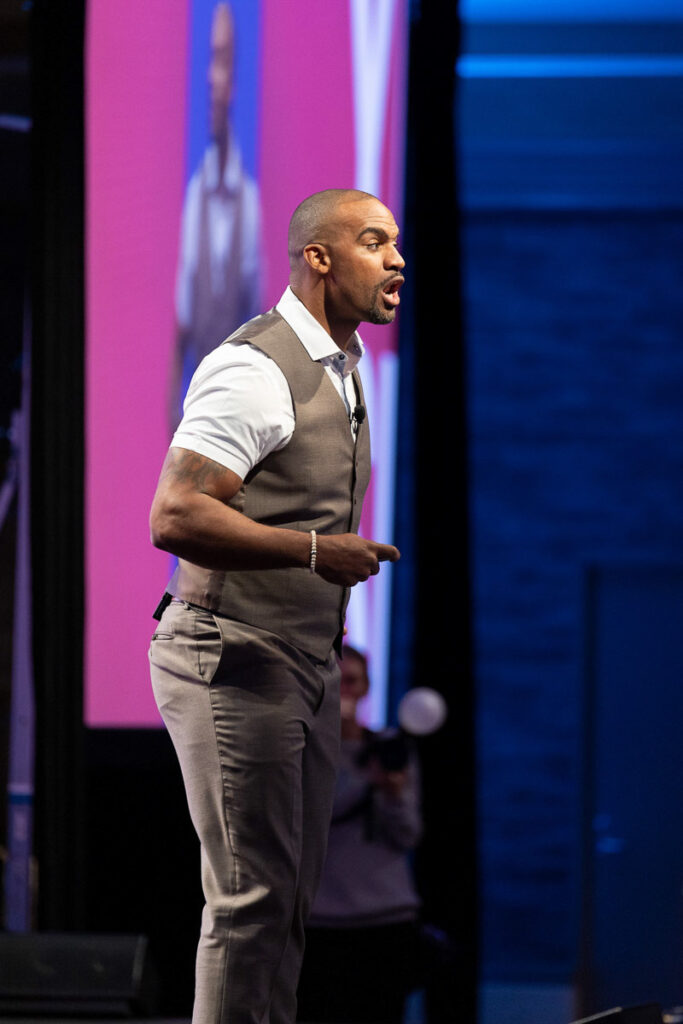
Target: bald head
221, 66
314, 220
345, 266
222, 23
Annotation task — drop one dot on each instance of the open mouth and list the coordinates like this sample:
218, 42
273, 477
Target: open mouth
390, 291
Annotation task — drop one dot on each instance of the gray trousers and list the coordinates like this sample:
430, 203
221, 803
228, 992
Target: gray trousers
255, 724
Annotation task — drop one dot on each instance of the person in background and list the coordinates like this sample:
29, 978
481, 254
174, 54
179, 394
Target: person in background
362, 946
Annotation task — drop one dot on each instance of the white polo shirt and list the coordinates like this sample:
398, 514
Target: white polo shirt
238, 407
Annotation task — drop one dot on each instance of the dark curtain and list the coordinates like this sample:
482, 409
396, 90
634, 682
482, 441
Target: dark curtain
57, 453
432, 599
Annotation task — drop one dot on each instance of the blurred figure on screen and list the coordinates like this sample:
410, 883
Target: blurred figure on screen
218, 284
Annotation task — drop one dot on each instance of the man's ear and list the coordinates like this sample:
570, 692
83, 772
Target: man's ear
317, 257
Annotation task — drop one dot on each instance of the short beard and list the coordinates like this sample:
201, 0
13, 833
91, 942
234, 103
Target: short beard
381, 316
378, 315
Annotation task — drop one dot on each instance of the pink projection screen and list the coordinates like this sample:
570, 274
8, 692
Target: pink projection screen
317, 102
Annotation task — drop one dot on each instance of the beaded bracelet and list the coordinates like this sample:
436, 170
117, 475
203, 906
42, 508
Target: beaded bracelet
314, 551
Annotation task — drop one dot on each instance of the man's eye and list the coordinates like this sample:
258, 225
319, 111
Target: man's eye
373, 245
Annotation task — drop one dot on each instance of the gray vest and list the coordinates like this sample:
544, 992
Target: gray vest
316, 482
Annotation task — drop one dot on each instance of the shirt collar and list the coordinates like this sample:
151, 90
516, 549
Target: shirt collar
313, 336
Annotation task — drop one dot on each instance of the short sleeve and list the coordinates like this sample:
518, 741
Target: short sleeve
238, 408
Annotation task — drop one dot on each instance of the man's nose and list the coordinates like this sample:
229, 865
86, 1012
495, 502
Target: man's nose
394, 260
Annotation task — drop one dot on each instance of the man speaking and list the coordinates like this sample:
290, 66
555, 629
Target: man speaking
260, 499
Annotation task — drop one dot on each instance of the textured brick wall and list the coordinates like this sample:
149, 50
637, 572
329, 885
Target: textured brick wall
575, 351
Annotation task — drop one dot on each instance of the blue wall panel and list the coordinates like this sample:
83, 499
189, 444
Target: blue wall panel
576, 458
570, 148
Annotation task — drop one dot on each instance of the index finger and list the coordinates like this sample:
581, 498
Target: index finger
387, 553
